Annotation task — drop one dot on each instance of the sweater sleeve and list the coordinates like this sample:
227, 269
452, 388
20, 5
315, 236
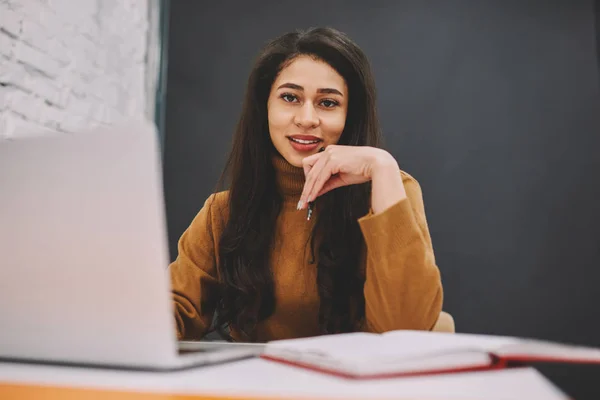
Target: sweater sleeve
194, 277
403, 287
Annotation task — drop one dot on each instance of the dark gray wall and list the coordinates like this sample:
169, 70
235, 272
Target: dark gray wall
492, 105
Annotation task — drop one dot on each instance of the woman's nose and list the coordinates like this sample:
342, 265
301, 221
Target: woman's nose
307, 117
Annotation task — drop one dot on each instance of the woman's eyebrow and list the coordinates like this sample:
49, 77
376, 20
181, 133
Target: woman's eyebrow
294, 86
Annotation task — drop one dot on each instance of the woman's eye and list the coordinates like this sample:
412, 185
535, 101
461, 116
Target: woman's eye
329, 103
290, 98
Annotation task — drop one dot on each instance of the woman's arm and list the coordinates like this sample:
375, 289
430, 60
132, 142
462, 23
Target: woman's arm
193, 275
387, 187
403, 288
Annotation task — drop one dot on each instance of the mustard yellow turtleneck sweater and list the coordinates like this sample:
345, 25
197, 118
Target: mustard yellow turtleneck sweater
402, 288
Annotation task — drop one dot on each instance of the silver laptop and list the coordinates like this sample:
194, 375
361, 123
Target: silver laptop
83, 254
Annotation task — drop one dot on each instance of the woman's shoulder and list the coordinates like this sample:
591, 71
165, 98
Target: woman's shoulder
219, 198
211, 216
217, 202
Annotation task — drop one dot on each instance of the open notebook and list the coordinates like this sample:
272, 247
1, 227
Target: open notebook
403, 353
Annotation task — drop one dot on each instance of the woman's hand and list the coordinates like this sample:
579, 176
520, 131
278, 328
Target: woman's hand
339, 166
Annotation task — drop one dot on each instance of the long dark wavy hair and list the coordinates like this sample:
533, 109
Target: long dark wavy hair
247, 289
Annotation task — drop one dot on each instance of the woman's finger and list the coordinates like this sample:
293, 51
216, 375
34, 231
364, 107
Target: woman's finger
310, 180
323, 176
309, 162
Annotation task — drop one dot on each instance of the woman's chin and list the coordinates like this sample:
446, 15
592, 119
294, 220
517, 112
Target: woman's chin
294, 159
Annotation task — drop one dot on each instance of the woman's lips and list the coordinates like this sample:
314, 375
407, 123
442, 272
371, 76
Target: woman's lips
304, 143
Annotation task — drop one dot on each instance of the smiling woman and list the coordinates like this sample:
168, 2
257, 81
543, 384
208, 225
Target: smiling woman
308, 133
307, 108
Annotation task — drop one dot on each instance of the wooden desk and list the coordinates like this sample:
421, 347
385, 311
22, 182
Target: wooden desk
259, 379
22, 391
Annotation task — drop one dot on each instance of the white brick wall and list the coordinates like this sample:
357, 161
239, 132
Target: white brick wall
69, 64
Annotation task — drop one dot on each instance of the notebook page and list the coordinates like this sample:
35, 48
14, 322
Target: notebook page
392, 345
408, 342
330, 345
538, 349
363, 354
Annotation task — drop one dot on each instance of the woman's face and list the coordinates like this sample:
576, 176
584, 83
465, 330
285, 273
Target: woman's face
307, 108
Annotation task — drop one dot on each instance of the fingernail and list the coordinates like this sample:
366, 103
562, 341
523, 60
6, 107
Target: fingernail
300, 205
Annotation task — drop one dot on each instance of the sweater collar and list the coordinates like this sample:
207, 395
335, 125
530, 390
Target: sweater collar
290, 179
